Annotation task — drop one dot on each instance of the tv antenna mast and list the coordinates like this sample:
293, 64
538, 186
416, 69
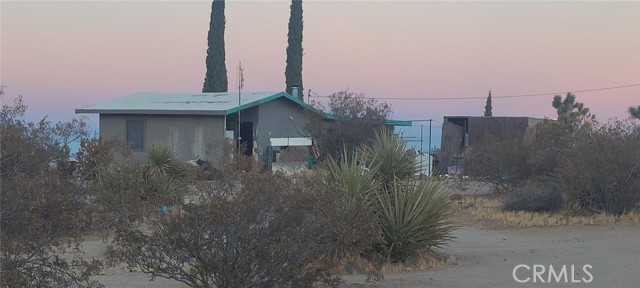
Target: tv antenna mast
240, 85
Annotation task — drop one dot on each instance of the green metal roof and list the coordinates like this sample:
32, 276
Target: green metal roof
197, 104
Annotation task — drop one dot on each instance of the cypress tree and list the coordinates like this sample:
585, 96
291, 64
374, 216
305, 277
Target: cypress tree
293, 71
488, 107
216, 76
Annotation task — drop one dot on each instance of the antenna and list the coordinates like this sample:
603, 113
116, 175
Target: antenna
240, 85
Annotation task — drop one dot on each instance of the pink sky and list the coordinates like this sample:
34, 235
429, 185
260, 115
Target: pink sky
65, 55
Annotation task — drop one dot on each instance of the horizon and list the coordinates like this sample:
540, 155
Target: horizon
66, 55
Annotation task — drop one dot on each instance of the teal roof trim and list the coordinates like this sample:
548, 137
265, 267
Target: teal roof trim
244, 106
248, 105
307, 106
406, 123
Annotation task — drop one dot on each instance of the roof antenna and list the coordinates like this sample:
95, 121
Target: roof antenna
240, 85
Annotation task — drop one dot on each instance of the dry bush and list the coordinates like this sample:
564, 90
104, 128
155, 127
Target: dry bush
595, 166
490, 208
602, 173
246, 228
44, 212
345, 123
534, 196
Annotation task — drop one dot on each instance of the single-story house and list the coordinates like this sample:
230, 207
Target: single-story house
190, 122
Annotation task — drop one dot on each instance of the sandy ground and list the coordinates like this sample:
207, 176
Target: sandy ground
486, 258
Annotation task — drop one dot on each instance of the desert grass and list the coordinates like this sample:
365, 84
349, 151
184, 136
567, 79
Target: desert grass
428, 259
489, 208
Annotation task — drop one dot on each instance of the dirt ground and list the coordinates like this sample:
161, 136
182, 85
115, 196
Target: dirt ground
487, 257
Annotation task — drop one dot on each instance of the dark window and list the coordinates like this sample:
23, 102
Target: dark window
135, 134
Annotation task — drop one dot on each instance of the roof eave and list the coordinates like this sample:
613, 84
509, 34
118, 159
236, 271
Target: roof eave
148, 112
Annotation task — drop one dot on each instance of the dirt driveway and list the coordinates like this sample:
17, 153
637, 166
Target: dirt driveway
487, 258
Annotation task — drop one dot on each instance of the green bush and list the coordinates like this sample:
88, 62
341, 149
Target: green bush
414, 216
534, 196
388, 158
132, 188
161, 161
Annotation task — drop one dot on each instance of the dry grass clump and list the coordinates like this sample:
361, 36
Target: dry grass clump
426, 260
489, 208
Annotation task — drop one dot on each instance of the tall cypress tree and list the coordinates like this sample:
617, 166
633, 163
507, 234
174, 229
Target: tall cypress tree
293, 71
488, 107
215, 79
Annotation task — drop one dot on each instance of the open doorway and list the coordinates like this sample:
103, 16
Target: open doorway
246, 137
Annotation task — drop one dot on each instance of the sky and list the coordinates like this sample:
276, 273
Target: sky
62, 55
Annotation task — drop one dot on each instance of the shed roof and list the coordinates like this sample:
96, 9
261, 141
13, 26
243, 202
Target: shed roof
224, 103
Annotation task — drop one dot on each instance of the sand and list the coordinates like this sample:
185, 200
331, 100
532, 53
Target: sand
486, 258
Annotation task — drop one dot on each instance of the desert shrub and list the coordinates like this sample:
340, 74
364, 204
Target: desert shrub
43, 213
95, 154
414, 216
345, 122
602, 173
134, 189
534, 196
259, 229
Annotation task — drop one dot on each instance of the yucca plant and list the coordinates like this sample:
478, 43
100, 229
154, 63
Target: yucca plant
162, 161
350, 176
413, 216
388, 158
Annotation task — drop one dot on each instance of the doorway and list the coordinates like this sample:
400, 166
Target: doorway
246, 137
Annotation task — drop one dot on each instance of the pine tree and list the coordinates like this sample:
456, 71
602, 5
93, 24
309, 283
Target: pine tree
488, 107
293, 71
216, 76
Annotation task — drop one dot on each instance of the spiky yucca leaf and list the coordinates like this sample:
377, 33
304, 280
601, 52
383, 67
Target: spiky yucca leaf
349, 176
388, 158
413, 215
162, 161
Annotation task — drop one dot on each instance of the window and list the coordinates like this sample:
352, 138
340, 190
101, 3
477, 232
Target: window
135, 134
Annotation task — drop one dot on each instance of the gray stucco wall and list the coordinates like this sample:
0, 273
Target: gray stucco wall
187, 135
279, 118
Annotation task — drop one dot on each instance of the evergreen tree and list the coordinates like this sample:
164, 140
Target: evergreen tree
293, 71
634, 112
216, 76
488, 107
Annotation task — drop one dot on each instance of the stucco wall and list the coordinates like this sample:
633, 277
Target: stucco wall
279, 118
187, 135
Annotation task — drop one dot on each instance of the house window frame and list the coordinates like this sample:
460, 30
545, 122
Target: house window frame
129, 143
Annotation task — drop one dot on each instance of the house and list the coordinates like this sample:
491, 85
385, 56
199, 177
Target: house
459, 132
190, 122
